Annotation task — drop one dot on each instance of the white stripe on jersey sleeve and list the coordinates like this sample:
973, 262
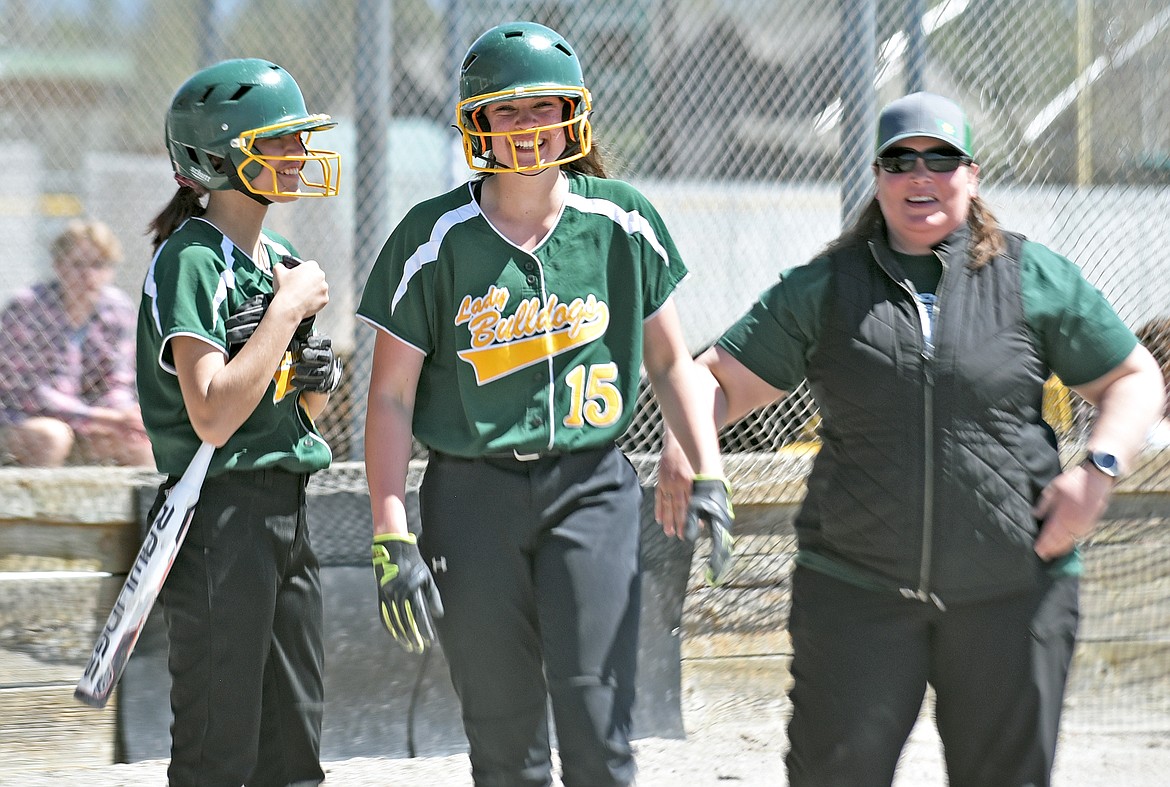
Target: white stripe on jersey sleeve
150, 290
429, 251
633, 222
278, 248
227, 279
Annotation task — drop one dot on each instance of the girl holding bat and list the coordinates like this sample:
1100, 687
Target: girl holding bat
221, 360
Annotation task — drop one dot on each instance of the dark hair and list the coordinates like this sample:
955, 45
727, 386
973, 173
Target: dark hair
986, 237
185, 203
594, 163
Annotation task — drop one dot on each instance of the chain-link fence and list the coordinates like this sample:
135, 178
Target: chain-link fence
749, 123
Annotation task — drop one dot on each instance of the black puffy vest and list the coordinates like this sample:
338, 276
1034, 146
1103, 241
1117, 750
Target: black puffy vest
929, 466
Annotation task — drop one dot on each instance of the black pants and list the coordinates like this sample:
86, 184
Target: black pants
244, 623
862, 660
537, 563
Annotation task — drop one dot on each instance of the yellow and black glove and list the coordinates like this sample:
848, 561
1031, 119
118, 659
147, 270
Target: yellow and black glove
711, 503
408, 600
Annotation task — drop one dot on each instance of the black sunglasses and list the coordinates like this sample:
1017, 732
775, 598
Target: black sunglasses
901, 160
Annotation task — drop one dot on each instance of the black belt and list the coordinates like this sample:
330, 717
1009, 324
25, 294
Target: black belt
523, 457
510, 456
515, 455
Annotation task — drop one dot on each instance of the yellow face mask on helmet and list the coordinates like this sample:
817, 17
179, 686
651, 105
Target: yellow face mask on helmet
217, 115
477, 139
521, 60
320, 170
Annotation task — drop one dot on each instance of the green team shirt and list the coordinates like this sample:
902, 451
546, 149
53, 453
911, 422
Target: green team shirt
1079, 334
196, 279
527, 351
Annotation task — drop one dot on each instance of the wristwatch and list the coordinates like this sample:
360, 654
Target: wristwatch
1106, 463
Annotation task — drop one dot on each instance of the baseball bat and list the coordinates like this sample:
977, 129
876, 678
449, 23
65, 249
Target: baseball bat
143, 583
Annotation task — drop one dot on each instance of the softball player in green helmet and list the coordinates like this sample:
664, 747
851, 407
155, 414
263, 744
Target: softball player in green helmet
225, 356
513, 315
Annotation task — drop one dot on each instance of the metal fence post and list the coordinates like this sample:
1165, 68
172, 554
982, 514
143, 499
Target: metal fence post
915, 46
372, 97
209, 39
858, 107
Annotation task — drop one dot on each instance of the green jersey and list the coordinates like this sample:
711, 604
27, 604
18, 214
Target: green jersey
196, 279
533, 352
1079, 334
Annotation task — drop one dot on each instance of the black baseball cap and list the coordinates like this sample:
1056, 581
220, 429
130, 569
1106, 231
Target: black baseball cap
924, 115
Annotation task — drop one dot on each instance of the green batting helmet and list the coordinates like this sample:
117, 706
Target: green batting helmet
521, 60
218, 114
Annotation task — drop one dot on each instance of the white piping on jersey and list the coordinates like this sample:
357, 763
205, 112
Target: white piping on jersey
548, 361
170, 368
550, 414
654, 313
388, 332
276, 246
227, 281
631, 221
150, 290
429, 251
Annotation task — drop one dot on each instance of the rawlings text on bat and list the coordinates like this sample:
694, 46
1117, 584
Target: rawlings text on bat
146, 577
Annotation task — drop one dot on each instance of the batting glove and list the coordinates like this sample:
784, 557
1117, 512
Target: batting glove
242, 322
711, 503
407, 597
315, 367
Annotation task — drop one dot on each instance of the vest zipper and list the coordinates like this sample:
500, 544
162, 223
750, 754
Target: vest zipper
927, 325
924, 593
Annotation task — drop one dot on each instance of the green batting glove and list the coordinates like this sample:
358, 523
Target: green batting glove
407, 597
711, 503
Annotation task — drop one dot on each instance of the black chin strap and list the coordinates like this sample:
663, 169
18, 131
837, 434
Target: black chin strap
238, 184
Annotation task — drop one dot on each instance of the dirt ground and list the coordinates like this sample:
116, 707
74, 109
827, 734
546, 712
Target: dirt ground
726, 753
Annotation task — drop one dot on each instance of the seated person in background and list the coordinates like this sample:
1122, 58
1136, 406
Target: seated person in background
1155, 335
67, 365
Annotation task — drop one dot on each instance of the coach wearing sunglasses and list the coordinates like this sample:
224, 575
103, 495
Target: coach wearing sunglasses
937, 544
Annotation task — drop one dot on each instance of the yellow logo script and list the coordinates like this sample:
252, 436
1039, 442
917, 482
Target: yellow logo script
502, 345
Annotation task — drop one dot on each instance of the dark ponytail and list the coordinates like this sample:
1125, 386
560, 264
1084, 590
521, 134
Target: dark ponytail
186, 202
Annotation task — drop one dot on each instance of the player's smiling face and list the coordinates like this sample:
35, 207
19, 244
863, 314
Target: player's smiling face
285, 176
922, 207
521, 115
